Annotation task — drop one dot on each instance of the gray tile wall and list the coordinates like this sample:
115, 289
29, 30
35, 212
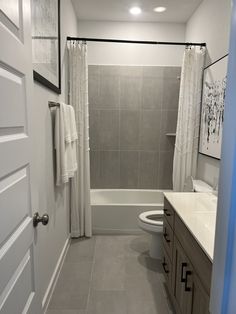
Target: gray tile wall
131, 110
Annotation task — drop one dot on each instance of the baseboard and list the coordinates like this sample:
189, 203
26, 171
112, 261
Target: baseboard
98, 231
55, 275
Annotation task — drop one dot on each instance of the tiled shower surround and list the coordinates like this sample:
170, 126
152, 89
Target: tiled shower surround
132, 108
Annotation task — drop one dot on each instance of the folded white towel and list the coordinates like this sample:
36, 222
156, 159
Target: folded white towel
72, 122
71, 142
65, 143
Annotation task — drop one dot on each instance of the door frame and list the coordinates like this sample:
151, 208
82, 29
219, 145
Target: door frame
223, 288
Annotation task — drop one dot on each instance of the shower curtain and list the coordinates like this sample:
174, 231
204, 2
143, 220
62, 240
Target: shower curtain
187, 133
78, 97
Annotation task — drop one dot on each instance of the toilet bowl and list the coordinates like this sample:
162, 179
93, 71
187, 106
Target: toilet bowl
152, 222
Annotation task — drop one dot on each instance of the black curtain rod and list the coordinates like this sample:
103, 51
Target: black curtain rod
120, 41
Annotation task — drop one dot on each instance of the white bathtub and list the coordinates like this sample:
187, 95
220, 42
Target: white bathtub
116, 211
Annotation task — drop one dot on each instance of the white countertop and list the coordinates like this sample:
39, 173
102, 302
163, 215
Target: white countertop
198, 212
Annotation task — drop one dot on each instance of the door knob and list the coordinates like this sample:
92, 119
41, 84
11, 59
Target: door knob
37, 219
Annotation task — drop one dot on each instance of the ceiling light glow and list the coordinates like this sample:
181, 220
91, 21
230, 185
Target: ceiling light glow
135, 10
160, 9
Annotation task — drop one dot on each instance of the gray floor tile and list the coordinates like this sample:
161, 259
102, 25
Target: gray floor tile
145, 296
112, 246
70, 294
66, 311
143, 266
106, 302
81, 249
109, 274
73, 271
136, 245
141, 306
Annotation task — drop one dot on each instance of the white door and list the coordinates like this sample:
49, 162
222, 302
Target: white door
17, 267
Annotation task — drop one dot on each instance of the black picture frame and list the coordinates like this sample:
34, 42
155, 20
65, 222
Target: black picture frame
212, 108
38, 76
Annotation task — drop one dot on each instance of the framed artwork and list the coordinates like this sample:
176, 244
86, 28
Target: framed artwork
212, 111
46, 43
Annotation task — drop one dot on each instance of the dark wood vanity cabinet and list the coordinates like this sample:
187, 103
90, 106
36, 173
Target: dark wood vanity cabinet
186, 267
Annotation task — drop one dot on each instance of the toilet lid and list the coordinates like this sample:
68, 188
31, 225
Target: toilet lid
153, 217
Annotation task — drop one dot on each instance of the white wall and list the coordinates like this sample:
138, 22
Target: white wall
108, 53
52, 200
210, 24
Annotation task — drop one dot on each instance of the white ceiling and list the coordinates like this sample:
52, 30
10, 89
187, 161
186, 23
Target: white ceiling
178, 11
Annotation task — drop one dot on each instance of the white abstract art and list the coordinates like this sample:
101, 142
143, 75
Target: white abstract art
45, 40
213, 104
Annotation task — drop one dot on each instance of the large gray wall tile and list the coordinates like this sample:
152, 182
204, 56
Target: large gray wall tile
110, 169
94, 86
170, 93
94, 70
95, 169
131, 71
152, 93
104, 129
129, 169
130, 92
166, 170
131, 110
109, 92
150, 130
109, 130
129, 129
94, 129
167, 143
148, 171
110, 70
153, 71
171, 72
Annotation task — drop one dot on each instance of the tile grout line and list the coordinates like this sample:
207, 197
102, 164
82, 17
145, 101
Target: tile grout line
91, 276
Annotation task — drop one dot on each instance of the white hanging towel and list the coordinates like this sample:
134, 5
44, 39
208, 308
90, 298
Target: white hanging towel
65, 137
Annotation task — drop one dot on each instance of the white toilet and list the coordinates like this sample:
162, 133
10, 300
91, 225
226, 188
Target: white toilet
152, 221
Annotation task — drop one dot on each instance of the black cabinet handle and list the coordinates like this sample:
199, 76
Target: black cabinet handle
167, 213
164, 267
182, 272
165, 235
186, 288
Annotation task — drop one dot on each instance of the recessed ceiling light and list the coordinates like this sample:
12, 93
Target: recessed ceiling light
135, 10
160, 9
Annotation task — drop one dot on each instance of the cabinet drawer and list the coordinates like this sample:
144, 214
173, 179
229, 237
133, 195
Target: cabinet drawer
182, 279
167, 268
199, 260
169, 213
168, 237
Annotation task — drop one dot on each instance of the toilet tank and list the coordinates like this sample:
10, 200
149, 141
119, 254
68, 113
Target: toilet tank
192, 185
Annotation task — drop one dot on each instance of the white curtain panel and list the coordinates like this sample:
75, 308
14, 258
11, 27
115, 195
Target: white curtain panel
81, 224
187, 133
